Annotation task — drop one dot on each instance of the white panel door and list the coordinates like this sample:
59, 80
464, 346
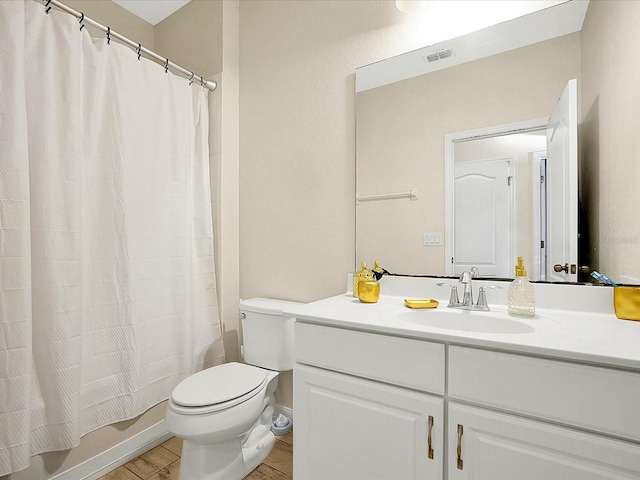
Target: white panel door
483, 445
482, 192
350, 428
562, 186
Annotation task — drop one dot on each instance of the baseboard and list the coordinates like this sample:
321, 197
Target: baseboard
118, 455
281, 409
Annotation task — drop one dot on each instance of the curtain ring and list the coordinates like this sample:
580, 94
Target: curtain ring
47, 7
139, 50
81, 21
108, 35
166, 65
191, 79
202, 81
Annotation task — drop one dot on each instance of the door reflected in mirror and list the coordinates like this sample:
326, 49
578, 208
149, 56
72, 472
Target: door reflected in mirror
511, 191
499, 204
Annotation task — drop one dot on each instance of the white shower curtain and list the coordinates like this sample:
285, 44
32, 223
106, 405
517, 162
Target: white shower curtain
107, 287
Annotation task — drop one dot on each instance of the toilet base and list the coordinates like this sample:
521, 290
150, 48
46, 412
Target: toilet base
229, 460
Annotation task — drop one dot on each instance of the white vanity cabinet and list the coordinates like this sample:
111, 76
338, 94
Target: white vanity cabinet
485, 444
538, 418
377, 406
350, 428
362, 411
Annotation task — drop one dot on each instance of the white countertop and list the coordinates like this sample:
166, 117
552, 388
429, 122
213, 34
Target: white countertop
583, 336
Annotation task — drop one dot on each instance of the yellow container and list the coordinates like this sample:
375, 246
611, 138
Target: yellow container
421, 302
626, 301
361, 276
368, 291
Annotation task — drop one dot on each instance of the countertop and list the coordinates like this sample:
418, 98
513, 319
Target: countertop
595, 338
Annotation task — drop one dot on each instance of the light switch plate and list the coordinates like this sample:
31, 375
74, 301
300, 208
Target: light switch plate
432, 239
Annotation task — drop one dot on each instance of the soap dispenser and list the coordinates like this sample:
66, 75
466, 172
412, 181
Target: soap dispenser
521, 294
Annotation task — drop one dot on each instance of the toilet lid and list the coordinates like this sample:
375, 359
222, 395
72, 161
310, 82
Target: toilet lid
218, 384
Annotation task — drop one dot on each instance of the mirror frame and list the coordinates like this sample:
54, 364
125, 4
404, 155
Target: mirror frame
566, 18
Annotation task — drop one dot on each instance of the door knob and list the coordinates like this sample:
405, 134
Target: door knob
559, 268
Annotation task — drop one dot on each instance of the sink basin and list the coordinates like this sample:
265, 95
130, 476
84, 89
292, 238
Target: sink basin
466, 321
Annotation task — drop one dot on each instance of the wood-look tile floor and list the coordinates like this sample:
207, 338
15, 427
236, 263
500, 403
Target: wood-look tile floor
163, 463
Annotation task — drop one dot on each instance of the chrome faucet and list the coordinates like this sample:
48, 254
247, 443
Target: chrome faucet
467, 296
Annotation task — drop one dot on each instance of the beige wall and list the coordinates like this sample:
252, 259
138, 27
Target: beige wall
192, 37
401, 129
610, 144
227, 186
297, 141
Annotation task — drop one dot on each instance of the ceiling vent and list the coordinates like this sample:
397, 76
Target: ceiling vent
438, 56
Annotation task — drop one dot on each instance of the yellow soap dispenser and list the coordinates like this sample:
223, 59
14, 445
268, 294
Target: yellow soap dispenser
363, 275
521, 294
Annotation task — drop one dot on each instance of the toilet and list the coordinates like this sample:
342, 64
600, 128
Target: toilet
224, 413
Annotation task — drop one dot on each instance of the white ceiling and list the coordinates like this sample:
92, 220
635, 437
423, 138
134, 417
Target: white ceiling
153, 11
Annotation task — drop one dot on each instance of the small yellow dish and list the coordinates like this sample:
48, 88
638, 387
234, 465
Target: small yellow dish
420, 302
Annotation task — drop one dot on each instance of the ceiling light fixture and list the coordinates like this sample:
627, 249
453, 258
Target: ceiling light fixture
409, 6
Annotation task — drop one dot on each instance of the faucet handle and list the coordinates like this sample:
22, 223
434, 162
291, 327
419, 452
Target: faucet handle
453, 299
482, 297
482, 300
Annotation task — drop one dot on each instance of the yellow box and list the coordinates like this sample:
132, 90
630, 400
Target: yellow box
626, 302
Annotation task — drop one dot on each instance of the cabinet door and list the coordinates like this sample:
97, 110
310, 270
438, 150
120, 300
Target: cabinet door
488, 445
350, 428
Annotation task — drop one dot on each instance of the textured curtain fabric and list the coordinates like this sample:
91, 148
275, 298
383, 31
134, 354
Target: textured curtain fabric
107, 286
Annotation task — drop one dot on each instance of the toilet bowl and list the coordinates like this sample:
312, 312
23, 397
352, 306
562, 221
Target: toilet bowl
224, 413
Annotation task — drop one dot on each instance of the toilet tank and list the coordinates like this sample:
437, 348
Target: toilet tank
267, 335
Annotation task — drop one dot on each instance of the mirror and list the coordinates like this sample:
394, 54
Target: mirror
402, 120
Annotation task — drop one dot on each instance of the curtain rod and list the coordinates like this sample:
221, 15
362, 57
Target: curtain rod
210, 84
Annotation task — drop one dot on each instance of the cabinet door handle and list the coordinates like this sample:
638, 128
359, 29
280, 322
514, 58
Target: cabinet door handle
429, 430
459, 449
